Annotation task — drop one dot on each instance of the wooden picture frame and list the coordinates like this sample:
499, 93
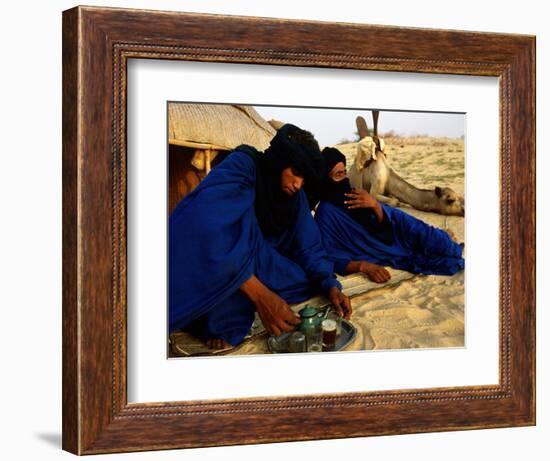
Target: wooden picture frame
97, 44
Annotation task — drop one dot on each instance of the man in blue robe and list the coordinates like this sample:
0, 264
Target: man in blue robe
245, 240
361, 234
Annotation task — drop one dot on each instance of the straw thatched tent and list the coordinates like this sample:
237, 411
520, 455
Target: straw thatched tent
201, 135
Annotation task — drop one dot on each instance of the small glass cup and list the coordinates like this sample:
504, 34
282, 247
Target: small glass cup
274, 345
328, 329
297, 342
333, 315
314, 341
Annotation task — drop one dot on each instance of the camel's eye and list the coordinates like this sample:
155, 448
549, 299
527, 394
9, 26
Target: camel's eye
450, 200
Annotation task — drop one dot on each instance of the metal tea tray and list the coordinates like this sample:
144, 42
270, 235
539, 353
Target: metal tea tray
347, 336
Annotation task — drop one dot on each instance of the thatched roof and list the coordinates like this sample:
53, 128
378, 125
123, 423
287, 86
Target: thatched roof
217, 126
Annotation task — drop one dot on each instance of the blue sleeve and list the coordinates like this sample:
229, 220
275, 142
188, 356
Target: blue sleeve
308, 250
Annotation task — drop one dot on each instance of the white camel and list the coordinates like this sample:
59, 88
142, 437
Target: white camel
371, 171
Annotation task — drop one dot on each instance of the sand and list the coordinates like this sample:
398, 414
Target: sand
410, 311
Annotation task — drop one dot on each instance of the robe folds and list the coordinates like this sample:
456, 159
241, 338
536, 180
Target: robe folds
216, 244
416, 247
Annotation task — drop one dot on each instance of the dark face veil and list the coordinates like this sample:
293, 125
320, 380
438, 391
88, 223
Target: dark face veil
290, 147
333, 191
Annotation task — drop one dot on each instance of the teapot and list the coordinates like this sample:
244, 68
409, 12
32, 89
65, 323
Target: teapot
311, 319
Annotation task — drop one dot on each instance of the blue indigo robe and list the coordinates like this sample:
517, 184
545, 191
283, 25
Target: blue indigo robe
216, 244
416, 246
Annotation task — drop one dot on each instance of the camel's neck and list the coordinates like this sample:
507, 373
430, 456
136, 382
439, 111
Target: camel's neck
422, 199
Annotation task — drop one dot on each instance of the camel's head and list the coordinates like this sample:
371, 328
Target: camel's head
450, 202
367, 150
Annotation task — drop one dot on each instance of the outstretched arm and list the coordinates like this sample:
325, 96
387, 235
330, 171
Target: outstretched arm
309, 253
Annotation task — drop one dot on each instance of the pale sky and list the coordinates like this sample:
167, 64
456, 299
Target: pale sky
330, 126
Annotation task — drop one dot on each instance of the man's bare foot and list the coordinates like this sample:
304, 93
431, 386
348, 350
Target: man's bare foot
374, 272
218, 344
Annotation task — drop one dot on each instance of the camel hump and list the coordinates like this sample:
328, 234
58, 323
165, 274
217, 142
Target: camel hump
362, 127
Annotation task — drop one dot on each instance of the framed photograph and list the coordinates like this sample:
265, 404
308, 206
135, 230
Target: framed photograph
281, 230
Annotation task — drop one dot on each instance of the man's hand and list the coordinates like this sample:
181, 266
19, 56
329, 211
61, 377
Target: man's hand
276, 316
341, 302
374, 272
360, 198
274, 312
